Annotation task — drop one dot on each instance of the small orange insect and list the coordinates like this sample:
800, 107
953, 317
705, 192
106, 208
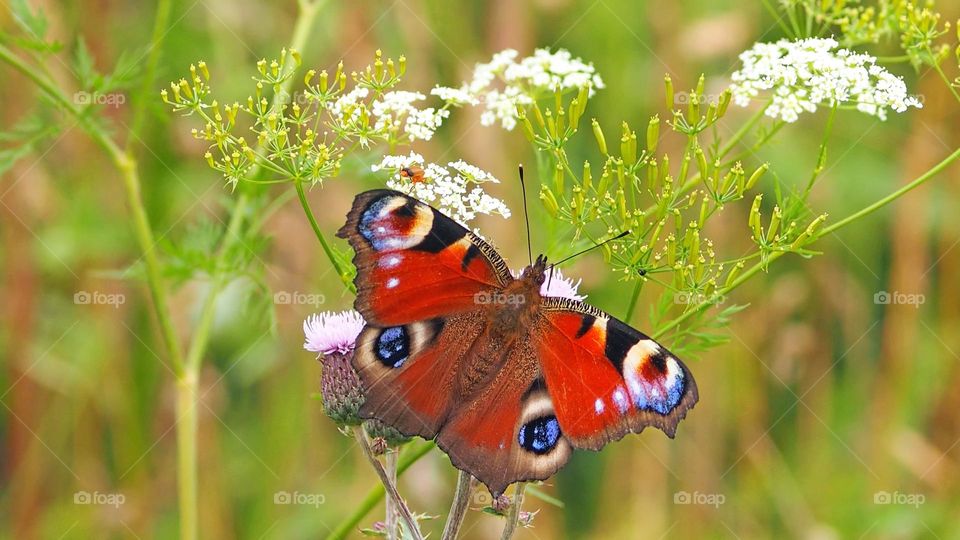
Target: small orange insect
412, 173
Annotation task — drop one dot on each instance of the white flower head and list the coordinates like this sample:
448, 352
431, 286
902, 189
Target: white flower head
457, 193
801, 75
521, 82
396, 110
332, 332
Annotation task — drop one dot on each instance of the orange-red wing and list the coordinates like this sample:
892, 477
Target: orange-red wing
605, 378
414, 263
499, 426
508, 431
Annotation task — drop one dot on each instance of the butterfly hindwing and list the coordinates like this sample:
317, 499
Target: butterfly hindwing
606, 378
409, 372
414, 263
507, 431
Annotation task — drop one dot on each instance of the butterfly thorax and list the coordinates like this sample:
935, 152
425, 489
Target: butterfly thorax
511, 312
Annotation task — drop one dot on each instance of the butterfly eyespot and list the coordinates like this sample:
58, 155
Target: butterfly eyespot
540, 435
393, 346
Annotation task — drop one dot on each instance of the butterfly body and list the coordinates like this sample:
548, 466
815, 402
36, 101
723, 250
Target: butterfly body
507, 380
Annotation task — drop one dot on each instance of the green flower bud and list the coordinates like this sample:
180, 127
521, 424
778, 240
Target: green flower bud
598, 134
653, 133
668, 88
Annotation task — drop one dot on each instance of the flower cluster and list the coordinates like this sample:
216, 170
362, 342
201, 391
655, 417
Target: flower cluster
523, 82
458, 194
803, 74
395, 111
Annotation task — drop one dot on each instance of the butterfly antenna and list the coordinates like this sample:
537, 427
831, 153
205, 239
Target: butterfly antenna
591, 248
526, 215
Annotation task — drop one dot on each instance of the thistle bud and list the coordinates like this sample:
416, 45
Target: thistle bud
501, 504
334, 335
389, 435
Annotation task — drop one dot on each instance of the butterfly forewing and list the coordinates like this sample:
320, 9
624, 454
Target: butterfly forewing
414, 263
612, 378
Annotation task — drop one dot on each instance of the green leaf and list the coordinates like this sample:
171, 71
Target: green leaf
85, 67
34, 25
25, 136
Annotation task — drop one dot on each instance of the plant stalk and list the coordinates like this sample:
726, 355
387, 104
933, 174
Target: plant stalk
390, 487
377, 493
513, 516
458, 508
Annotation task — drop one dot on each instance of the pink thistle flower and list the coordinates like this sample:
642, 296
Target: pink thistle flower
328, 333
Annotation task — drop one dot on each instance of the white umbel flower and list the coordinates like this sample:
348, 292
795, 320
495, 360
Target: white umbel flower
396, 110
522, 82
802, 75
455, 189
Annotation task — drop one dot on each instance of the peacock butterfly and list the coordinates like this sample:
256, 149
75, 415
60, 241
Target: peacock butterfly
506, 380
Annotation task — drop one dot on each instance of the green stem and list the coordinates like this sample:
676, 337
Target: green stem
127, 166
939, 167
412, 529
160, 27
327, 250
377, 493
634, 296
946, 80
187, 455
750, 272
390, 466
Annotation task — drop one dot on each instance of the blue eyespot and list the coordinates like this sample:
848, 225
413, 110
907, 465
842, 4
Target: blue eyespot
367, 219
393, 346
540, 435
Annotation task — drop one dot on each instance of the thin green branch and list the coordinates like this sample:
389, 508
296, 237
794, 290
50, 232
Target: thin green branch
305, 204
412, 529
127, 166
160, 28
763, 264
377, 492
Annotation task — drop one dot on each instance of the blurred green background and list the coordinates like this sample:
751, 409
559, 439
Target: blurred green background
824, 407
